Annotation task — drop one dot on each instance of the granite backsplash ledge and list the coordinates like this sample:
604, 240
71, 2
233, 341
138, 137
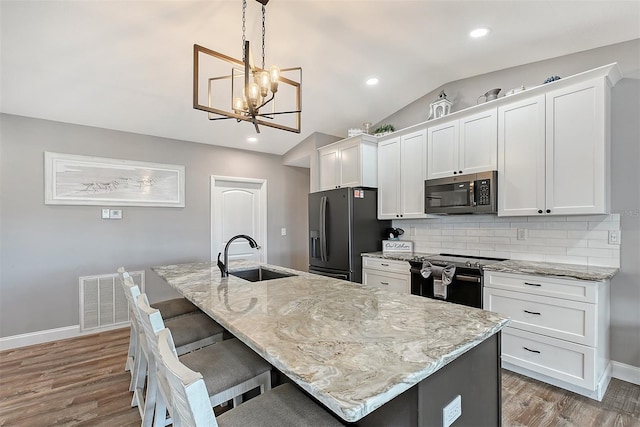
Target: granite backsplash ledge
570, 239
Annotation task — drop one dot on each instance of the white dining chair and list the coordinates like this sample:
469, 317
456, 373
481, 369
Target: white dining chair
230, 368
184, 392
195, 331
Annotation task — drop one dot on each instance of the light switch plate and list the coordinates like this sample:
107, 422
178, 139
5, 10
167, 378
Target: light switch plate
105, 213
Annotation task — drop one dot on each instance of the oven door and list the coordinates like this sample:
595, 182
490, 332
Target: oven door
465, 289
448, 195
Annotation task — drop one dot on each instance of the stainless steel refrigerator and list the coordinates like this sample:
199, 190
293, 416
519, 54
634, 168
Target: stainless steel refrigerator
343, 223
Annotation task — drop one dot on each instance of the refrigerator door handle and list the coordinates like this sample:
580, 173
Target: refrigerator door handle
323, 228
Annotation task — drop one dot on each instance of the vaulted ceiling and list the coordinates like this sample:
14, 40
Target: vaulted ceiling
127, 65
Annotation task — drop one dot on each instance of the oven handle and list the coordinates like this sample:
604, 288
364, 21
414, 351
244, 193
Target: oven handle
465, 278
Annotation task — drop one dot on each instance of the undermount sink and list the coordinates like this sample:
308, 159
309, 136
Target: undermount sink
259, 274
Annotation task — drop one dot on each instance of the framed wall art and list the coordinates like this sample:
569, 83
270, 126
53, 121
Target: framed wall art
72, 179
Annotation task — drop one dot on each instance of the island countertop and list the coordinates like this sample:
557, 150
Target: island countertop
352, 347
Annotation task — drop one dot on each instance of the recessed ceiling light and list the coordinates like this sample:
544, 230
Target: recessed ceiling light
372, 81
252, 139
479, 32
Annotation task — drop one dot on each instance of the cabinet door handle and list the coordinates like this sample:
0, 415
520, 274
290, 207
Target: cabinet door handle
384, 283
539, 210
531, 312
384, 265
532, 351
532, 284
548, 210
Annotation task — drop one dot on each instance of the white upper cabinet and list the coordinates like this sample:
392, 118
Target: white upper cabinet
521, 157
351, 162
466, 145
401, 175
554, 152
577, 149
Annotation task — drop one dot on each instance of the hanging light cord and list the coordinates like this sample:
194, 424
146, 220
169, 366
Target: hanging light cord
263, 32
244, 26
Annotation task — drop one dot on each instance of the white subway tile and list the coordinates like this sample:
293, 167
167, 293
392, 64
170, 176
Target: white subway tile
496, 225
549, 250
566, 259
509, 232
528, 225
590, 252
522, 256
554, 234
453, 245
500, 240
452, 232
531, 241
466, 225
480, 232
480, 246
587, 218
588, 234
547, 218
466, 239
567, 243
574, 225
452, 219
604, 262
440, 239
511, 248
481, 218
603, 244
604, 225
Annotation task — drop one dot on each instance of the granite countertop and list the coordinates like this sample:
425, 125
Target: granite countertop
583, 272
352, 347
398, 256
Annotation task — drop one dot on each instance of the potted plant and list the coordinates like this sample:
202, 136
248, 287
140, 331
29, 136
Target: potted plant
383, 130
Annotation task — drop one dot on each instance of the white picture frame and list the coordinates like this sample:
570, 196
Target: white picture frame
72, 179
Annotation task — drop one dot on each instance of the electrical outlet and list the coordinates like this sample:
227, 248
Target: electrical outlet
105, 213
523, 234
614, 237
283, 231
115, 214
452, 411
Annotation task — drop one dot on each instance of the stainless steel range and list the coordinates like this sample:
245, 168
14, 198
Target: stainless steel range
466, 282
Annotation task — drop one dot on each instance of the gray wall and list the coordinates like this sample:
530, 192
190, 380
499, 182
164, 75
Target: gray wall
625, 160
45, 248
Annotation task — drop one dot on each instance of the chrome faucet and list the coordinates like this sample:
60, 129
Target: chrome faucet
224, 268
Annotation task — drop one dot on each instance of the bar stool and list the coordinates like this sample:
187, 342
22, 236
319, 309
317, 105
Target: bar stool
195, 331
230, 367
169, 309
184, 393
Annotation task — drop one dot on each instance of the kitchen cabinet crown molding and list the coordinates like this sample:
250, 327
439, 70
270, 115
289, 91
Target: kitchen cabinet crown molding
610, 71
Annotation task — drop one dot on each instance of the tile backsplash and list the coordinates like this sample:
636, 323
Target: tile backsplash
574, 239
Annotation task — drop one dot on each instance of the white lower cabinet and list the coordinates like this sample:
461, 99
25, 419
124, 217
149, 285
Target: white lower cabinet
559, 329
392, 275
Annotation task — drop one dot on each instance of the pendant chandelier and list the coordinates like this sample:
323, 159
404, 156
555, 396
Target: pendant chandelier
248, 92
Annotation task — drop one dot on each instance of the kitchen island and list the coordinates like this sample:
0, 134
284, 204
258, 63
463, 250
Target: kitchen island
370, 356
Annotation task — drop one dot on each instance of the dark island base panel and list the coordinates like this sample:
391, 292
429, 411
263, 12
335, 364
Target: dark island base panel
475, 376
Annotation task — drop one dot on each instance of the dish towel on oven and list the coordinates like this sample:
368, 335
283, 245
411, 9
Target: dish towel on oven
442, 276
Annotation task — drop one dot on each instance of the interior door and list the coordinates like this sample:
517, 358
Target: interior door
238, 206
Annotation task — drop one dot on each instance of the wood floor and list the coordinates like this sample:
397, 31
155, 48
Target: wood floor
81, 382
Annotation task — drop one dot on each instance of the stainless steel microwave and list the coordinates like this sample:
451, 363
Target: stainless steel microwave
462, 194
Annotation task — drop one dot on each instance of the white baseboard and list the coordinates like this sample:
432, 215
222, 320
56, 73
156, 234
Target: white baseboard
624, 372
40, 337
